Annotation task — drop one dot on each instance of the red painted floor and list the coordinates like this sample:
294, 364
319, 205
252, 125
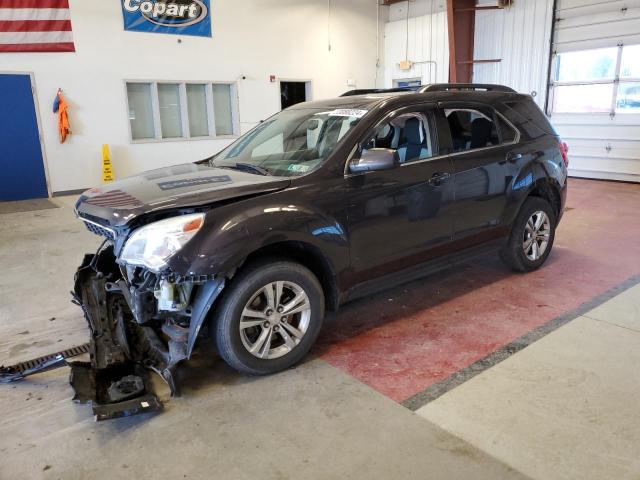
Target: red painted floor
408, 338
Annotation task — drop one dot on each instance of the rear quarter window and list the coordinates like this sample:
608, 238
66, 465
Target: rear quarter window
528, 118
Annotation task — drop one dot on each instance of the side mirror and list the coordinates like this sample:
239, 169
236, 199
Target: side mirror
375, 159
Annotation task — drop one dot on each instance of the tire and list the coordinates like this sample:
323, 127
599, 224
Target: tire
514, 254
247, 301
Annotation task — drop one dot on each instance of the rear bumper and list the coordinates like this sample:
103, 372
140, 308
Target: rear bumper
563, 201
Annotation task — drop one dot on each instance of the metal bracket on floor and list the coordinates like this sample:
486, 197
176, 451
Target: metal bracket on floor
13, 373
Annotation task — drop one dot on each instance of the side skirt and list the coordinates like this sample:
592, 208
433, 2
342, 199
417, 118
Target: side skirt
425, 269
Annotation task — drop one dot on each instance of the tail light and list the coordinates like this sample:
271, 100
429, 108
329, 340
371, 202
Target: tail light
564, 151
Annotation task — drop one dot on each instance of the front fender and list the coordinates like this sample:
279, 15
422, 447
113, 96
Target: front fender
233, 232
207, 294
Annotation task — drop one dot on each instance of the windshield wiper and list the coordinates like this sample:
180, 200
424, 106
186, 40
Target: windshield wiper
248, 166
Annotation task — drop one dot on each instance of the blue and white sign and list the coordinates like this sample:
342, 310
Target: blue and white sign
178, 17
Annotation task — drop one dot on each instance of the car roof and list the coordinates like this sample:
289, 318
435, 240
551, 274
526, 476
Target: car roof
354, 101
392, 98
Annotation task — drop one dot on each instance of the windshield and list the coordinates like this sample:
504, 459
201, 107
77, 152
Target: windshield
291, 143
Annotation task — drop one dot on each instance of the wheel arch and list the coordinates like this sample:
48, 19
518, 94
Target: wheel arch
547, 191
305, 254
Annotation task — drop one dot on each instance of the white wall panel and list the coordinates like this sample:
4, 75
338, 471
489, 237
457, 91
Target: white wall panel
416, 8
428, 40
520, 37
251, 38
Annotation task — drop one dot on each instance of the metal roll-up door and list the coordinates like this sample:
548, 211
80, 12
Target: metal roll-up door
594, 94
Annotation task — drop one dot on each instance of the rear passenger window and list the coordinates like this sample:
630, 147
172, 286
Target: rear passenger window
410, 134
507, 132
471, 129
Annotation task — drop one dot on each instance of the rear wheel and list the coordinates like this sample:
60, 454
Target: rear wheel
269, 318
531, 237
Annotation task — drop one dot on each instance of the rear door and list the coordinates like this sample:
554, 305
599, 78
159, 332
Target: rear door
21, 168
480, 156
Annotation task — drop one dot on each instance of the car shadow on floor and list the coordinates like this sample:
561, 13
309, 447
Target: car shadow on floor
360, 316
409, 299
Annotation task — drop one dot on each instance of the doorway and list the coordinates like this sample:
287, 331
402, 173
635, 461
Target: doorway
22, 175
294, 92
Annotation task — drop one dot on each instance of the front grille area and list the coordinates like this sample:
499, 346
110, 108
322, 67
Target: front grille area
98, 230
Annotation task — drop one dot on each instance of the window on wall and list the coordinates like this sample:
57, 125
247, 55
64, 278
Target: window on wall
603, 80
171, 110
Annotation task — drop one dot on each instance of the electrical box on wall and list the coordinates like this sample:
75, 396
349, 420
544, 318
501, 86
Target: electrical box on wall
405, 65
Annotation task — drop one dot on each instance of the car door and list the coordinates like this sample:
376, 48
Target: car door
479, 158
401, 217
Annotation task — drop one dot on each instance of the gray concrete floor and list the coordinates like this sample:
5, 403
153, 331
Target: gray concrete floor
565, 407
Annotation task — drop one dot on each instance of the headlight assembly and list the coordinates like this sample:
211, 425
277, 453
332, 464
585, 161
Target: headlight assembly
152, 245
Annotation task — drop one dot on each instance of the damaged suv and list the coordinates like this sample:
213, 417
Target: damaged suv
321, 203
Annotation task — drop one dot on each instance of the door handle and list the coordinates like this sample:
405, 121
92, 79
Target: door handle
511, 158
438, 178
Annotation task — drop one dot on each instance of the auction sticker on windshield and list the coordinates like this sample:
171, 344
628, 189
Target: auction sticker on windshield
298, 168
348, 112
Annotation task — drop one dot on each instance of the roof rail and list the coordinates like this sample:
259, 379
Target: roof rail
365, 91
443, 87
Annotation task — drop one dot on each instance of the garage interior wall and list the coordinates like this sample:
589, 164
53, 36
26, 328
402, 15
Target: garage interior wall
421, 39
601, 145
252, 38
519, 36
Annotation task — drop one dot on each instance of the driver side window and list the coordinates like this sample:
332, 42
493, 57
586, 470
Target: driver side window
410, 134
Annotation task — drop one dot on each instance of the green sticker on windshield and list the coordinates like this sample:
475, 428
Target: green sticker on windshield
298, 168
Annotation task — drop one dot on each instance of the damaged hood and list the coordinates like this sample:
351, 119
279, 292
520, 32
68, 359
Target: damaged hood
180, 186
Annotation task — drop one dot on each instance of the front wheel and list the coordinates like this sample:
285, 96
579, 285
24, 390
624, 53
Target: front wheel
269, 318
531, 237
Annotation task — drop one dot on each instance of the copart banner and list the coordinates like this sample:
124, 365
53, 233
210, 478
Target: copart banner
177, 17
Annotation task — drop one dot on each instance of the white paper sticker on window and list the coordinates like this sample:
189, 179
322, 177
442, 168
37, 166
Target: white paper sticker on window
348, 112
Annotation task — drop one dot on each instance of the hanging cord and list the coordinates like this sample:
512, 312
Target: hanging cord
377, 42
406, 50
329, 24
431, 42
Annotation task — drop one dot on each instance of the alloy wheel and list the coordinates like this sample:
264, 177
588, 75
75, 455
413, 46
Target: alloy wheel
537, 233
275, 319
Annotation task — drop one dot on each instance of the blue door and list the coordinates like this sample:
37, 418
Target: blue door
21, 168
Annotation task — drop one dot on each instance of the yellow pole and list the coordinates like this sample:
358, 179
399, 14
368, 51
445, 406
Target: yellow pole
107, 167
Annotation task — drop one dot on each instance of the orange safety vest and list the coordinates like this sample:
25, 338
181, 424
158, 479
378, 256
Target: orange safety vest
63, 118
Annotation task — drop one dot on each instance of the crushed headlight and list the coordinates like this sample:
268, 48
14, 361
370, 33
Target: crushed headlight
152, 245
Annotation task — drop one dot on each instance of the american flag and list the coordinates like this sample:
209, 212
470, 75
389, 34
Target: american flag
35, 26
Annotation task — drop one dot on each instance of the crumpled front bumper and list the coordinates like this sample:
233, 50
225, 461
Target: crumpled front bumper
131, 334
115, 381
129, 337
